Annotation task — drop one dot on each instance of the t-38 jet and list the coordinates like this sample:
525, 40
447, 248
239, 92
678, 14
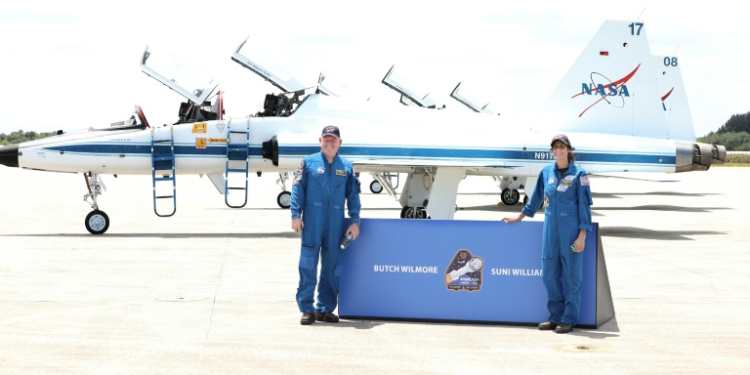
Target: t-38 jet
609, 105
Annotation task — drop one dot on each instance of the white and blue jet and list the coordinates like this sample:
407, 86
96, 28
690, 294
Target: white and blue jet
609, 104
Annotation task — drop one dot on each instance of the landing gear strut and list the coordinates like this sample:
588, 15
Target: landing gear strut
97, 222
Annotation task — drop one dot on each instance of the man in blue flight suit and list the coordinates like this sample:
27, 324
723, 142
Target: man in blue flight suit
321, 184
565, 191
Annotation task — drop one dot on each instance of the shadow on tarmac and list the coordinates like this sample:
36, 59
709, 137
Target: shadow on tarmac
517, 208
666, 193
356, 324
661, 208
635, 232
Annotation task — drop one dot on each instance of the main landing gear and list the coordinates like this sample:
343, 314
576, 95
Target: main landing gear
376, 187
409, 212
510, 196
284, 199
97, 222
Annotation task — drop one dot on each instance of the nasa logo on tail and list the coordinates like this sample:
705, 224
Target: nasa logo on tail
607, 91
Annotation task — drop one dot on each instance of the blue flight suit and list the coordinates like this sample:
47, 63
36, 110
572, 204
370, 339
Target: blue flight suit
568, 210
318, 193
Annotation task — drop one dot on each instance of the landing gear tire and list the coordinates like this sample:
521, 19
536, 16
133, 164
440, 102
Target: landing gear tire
97, 222
376, 187
409, 212
284, 199
510, 197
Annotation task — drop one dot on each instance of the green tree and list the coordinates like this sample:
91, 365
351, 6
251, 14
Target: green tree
733, 141
736, 124
21, 136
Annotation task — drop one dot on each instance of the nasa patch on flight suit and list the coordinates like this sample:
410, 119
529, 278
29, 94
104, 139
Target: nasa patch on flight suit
551, 181
321, 170
341, 172
565, 183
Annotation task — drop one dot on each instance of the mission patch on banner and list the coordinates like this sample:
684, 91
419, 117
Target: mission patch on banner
464, 272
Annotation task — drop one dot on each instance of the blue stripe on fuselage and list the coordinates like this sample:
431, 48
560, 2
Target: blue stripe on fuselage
391, 152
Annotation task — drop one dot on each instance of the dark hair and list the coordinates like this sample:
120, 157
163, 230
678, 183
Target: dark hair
571, 155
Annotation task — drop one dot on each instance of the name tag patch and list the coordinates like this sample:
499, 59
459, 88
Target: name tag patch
340, 172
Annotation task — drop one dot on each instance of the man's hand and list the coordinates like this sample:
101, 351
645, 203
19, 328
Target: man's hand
354, 230
297, 225
580, 242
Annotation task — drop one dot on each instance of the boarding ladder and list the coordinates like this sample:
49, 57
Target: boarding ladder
163, 169
238, 151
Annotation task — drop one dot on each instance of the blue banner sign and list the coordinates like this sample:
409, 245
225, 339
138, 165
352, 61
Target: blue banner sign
453, 270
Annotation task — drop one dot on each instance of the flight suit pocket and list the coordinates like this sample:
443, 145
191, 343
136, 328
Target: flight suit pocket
587, 194
307, 262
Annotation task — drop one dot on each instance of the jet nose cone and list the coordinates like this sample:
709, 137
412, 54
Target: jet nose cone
9, 155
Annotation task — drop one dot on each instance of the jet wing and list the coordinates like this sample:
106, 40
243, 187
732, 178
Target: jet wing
431, 163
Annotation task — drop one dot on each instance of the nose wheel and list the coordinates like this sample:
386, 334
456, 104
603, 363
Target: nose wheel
97, 222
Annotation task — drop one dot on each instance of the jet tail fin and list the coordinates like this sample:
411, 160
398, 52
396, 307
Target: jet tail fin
674, 99
612, 88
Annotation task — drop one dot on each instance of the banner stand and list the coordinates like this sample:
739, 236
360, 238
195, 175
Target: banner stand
458, 271
605, 308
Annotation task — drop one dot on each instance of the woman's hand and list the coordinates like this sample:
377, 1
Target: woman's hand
514, 219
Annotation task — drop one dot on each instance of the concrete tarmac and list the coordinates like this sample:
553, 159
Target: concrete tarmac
211, 289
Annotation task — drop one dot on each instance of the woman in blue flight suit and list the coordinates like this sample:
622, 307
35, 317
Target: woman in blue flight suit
321, 185
564, 190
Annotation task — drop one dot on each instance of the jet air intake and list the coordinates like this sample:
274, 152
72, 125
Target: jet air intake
286, 150
9, 155
698, 156
271, 150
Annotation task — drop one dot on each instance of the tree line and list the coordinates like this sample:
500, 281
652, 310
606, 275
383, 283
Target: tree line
734, 134
22, 136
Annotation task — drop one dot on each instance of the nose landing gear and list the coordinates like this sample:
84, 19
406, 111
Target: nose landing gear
97, 222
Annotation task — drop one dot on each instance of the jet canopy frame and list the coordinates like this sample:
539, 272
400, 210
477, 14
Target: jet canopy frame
184, 78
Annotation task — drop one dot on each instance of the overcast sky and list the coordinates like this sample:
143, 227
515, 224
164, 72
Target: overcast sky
75, 64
